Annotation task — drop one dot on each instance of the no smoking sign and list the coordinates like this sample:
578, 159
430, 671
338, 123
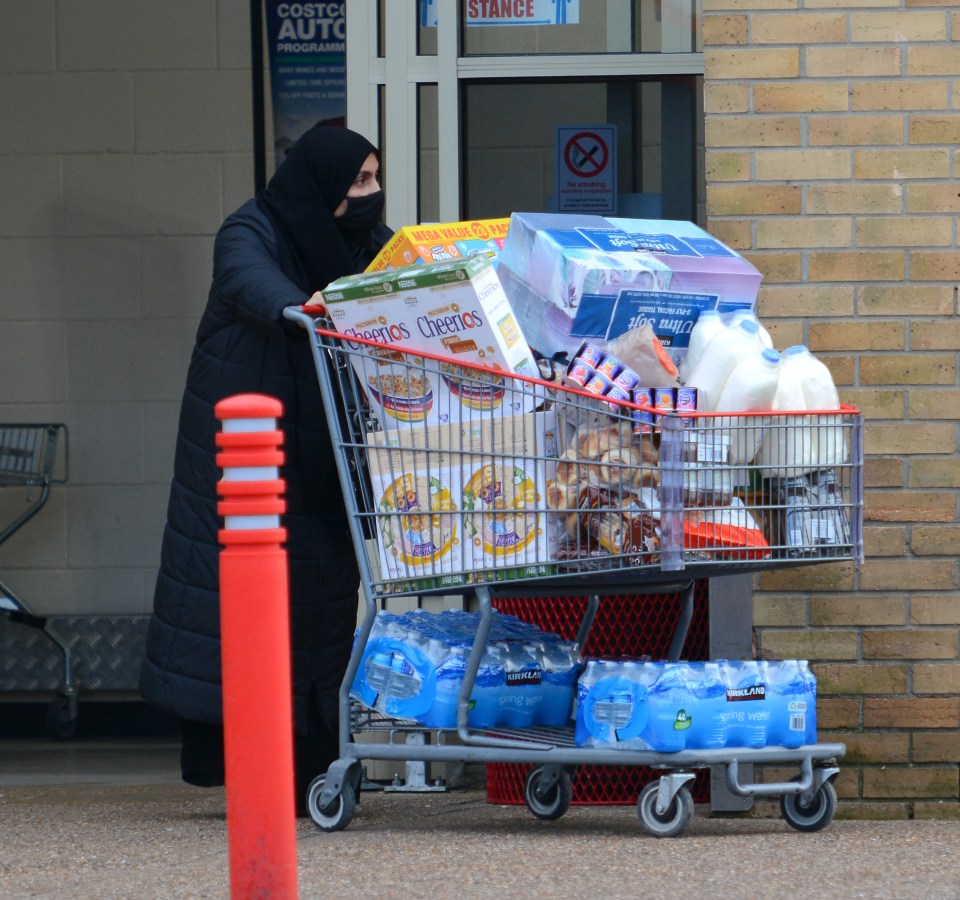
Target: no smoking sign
586, 168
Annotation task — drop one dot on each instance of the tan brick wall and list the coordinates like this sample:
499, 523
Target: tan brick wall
831, 136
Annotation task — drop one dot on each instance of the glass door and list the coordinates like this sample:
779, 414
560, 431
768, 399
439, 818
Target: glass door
468, 101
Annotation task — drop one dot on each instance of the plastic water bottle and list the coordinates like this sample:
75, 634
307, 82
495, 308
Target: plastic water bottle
706, 713
751, 386
521, 693
488, 689
718, 359
561, 665
670, 709
787, 699
747, 714
450, 672
708, 326
810, 687
612, 707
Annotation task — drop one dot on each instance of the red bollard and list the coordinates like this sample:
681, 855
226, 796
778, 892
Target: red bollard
255, 642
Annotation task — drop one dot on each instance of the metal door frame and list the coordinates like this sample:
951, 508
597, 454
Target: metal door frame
401, 70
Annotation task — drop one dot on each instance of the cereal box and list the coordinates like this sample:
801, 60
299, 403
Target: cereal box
456, 310
416, 244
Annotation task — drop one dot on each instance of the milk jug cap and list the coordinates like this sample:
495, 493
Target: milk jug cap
795, 350
750, 325
770, 355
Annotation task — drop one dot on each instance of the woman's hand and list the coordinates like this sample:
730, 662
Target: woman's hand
315, 300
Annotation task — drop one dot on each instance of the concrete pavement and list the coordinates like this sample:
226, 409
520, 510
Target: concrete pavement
109, 818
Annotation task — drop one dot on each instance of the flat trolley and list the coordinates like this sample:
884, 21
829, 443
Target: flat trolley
33, 458
466, 480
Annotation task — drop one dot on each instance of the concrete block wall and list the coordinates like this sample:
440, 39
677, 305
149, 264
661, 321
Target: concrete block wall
125, 138
832, 129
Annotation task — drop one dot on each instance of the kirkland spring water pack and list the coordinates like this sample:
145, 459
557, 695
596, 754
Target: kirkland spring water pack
413, 668
666, 707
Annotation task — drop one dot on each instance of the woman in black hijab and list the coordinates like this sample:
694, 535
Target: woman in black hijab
317, 220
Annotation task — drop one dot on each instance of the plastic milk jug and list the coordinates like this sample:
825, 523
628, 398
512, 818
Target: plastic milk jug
800, 444
739, 315
719, 357
708, 326
751, 386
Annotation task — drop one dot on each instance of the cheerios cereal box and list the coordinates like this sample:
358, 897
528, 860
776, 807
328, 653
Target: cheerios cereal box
456, 310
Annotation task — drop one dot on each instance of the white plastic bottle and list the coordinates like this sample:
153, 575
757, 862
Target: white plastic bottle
718, 359
708, 326
750, 387
798, 444
739, 315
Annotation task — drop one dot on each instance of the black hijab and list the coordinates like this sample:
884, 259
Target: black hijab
300, 199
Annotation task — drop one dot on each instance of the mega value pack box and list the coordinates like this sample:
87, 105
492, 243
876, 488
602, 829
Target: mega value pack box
565, 273
465, 502
456, 310
416, 244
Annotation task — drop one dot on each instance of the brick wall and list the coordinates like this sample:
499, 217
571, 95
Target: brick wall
832, 129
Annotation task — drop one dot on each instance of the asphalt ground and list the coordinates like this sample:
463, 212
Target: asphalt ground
109, 818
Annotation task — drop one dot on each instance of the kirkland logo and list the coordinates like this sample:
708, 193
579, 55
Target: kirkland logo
754, 692
527, 676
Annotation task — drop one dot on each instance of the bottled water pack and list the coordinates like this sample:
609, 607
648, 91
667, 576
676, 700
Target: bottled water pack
671, 706
413, 668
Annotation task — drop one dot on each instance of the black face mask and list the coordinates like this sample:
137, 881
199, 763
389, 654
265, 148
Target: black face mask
362, 212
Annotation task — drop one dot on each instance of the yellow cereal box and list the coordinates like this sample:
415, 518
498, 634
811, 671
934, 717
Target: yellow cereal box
416, 244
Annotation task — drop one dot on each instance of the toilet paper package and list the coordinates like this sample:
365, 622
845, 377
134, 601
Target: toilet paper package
564, 274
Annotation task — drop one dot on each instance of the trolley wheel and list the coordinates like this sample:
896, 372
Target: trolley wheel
670, 822
61, 719
552, 803
812, 814
337, 814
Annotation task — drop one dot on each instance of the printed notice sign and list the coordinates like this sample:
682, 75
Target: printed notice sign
306, 43
587, 168
508, 12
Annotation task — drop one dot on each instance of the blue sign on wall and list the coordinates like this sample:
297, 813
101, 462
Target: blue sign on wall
307, 51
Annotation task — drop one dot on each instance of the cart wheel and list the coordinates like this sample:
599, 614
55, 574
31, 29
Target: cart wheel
337, 815
812, 814
554, 802
61, 719
670, 822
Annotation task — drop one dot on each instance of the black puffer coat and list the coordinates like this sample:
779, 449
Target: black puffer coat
244, 345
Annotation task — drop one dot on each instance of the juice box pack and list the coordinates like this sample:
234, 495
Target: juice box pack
464, 502
416, 244
456, 310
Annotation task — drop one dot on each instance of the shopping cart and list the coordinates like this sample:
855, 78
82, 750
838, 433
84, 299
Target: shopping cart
480, 483
32, 458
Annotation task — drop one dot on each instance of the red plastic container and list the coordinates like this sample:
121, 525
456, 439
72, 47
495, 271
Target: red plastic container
624, 626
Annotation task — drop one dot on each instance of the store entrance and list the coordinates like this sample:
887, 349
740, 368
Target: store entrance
469, 113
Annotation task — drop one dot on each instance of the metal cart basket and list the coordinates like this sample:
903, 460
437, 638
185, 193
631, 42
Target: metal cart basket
33, 457
463, 479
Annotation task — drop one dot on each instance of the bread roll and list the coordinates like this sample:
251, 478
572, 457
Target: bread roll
588, 442
616, 465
